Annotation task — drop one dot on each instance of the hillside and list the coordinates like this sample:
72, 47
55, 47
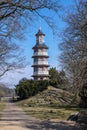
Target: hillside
5, 91
50, 97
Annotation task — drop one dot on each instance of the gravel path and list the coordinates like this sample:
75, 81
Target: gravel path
13, 118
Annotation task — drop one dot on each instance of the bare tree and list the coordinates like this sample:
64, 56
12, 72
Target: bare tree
13, 17
74, 45
15, 13
10, 57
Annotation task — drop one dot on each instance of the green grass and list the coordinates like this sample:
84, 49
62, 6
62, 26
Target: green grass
2, 106
52, 104
48, 113
51, 97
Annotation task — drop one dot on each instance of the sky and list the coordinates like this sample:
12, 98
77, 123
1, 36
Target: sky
13, 77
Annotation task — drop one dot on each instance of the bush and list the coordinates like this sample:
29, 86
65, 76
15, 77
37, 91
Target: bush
28, 88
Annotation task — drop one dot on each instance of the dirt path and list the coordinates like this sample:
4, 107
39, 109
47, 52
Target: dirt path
13, 118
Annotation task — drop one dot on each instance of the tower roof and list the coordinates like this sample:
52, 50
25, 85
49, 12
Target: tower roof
40, 32
37, 46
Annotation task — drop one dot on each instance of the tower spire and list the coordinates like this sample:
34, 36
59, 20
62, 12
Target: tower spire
40, 25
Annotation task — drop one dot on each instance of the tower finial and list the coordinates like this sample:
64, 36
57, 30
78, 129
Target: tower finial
39, 24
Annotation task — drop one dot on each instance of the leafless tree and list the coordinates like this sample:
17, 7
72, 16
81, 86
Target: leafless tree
10, 57
14, 15
74, 45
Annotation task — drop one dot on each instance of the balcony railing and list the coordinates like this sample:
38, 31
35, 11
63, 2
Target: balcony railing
40, 53
41, 72
41, 63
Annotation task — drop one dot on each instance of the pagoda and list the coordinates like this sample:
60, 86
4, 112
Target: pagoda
40, 58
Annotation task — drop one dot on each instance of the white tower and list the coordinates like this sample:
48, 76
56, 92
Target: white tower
40, 57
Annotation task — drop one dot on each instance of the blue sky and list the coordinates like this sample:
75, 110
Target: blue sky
52, 41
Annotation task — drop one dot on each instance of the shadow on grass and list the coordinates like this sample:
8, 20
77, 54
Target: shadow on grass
46, 125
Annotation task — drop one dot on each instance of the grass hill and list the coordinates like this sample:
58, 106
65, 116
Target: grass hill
51, 104
51, 97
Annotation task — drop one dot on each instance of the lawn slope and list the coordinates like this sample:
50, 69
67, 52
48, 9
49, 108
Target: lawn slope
52, 104
50, 97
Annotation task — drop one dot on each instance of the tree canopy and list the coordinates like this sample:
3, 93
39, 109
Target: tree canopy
15, 16
74, 45
58, 79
